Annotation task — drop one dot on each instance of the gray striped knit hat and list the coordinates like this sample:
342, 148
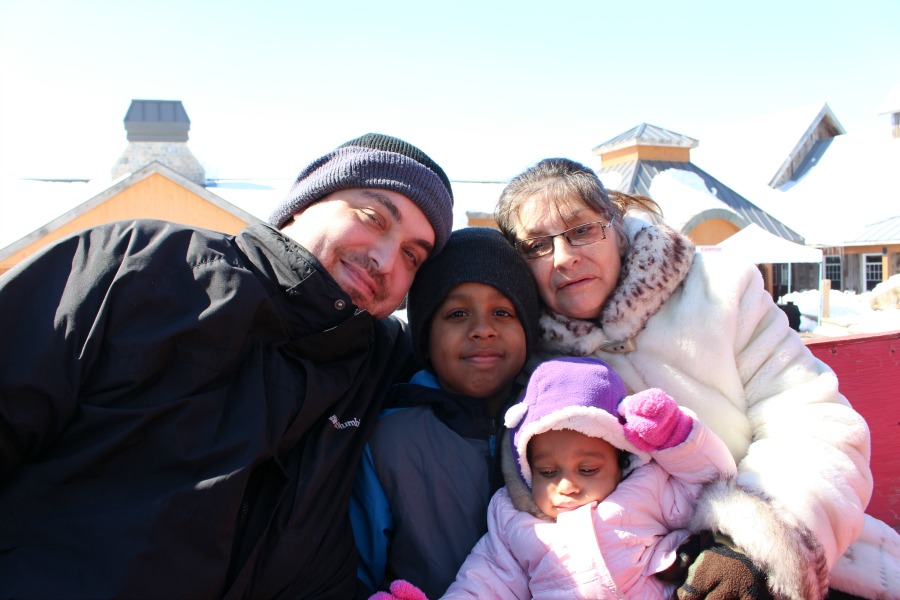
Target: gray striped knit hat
380, 162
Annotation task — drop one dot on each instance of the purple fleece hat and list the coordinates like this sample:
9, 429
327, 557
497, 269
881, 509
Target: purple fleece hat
581, 394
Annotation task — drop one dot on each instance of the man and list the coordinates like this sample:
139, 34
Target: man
182, 411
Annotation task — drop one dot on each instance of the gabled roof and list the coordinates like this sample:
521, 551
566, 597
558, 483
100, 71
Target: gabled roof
637, 178
117, 188
844, 182
824, 126
762, 149
646, 135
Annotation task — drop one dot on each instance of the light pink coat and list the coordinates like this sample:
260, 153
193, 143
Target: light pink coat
610, 550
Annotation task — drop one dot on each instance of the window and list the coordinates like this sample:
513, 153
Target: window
780, 281
833, 271
872, 271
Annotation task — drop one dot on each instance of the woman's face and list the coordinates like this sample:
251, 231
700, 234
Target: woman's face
572, 281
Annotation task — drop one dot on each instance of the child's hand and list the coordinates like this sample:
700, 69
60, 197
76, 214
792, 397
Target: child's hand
653, 420
400, 590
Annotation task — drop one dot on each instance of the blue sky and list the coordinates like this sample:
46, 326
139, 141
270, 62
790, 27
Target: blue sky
485, 87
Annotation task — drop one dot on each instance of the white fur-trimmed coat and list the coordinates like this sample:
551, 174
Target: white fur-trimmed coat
705, 330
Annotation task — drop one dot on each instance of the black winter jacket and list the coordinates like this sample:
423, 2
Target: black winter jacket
181, 416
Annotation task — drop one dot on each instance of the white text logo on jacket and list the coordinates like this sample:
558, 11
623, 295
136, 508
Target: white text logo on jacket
338, 425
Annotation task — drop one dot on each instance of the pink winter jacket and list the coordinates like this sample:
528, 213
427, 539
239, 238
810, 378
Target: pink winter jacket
610, 550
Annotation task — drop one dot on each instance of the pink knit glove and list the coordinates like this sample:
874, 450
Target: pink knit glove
400, 590
654, 421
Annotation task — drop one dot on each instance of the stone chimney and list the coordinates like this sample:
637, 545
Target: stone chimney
157, 130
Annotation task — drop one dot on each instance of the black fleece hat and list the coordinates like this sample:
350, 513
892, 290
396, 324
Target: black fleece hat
473, 254
375, 161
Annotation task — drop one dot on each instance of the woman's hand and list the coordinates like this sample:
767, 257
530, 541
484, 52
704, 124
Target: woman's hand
719, 571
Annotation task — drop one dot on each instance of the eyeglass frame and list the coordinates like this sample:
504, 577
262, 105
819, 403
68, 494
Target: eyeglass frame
552, 246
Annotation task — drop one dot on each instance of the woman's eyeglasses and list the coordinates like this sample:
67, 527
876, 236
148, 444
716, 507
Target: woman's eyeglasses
580, 235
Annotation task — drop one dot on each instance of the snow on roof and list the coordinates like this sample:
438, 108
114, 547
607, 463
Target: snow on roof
683, 195
891, 102
27, 205
855, 182
638, 177
848, 182
475, 197
753, 150
259, 197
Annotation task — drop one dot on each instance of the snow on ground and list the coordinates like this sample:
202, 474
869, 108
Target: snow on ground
849, 313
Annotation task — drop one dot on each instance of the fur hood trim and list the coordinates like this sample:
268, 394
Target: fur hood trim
519, 493
786, 549
657, 261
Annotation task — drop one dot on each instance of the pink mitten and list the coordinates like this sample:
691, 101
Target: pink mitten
653, 420
400, 590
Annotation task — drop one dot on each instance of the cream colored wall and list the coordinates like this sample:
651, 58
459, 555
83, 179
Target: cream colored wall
711, 232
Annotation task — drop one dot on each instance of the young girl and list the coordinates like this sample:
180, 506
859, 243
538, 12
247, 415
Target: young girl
613, 481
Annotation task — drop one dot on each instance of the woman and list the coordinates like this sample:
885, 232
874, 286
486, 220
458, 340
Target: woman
631, 291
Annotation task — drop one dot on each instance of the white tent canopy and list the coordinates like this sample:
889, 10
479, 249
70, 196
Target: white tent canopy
758, 246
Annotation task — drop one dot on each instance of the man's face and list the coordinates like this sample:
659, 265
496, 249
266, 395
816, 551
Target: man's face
370, 241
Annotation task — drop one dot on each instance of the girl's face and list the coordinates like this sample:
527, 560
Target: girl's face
476, 342
570, 469
572, 281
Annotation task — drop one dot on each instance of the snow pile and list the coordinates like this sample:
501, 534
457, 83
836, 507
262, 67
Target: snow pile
850, 313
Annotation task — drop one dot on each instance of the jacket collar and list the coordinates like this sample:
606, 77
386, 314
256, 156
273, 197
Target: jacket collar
320, 318
656, 262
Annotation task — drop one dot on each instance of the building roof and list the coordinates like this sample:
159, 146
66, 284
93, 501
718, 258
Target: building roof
760, 149
882, 232
681, 208
646, 135
841, 185
75, 205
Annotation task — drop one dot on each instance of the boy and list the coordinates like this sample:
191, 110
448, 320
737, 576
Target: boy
421, 499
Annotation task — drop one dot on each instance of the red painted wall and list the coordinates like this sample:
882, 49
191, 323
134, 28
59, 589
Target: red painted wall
868, 370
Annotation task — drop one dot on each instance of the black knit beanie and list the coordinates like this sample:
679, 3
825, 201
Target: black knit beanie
380, 162
473, 254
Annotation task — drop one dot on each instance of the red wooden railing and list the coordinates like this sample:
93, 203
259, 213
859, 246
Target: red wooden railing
868, 370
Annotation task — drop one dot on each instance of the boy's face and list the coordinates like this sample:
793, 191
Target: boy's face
570, 469
476, 342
